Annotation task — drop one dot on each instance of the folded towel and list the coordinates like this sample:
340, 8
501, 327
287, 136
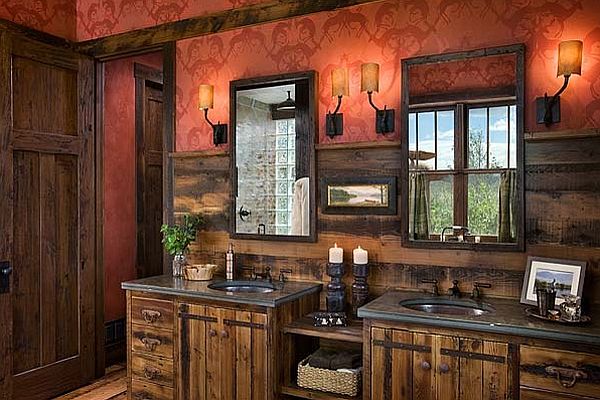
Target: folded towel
321, 359
346, 360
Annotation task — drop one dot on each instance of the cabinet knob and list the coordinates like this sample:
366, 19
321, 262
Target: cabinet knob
425, 366
224, 334
212, 333
443, 368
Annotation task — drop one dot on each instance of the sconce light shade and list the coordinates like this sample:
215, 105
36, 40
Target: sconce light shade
206, 97
369, 77
570, 55
339, 82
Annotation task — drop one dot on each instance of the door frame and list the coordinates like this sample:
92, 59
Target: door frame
169, 91
142, 74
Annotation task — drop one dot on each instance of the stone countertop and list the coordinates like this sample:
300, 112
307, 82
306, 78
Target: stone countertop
166, 284
509, 318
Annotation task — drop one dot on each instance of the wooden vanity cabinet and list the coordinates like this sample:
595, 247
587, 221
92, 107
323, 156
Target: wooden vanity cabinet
222, 353
406, 364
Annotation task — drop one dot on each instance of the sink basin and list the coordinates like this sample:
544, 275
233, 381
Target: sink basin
243, 286
448, 306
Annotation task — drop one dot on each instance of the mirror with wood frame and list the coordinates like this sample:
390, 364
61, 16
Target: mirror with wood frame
462, 117
273, 123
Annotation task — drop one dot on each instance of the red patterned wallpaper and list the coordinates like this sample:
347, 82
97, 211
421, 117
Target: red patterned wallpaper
119, 179
385, 33
57, 17
96, 18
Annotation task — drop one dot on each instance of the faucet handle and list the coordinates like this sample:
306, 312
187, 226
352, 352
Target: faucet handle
476, 295
435, 290
282, 272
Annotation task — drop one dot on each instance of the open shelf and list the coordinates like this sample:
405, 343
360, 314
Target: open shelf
304, 326
297, 391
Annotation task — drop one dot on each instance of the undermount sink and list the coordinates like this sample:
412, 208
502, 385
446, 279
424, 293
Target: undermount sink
448, 306
243, 286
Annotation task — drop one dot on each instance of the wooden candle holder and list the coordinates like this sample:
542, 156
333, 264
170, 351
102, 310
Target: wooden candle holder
336, 289
360, 287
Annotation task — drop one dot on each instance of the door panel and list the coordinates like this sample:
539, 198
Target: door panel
47, 151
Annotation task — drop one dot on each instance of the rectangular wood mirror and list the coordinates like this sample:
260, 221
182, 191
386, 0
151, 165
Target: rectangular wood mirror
462, 145
273, 123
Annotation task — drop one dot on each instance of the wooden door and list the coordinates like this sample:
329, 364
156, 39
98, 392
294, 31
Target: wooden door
47, 334
223, 354
149, 170
402, 365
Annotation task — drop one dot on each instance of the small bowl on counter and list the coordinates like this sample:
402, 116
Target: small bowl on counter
199, 272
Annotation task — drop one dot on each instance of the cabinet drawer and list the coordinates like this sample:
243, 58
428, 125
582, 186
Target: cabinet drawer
560, 371
152, 369
149, 391
152, 341
152, 312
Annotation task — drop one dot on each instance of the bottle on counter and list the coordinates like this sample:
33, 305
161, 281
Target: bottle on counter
230, 263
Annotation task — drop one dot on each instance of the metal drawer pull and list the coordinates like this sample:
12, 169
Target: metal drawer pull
151, 372
567, 377
151, 316
150, 343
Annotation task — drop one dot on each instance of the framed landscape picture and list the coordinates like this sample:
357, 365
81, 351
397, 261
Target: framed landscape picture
566, 277
361, 195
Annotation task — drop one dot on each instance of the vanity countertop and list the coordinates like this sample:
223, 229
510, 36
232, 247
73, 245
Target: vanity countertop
509, 318
166, 284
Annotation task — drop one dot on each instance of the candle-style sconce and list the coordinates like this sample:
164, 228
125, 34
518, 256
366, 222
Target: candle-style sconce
339, 88
570, 55
384, 119
206, 98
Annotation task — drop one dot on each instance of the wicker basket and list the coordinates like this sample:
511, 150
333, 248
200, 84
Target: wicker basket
326, 380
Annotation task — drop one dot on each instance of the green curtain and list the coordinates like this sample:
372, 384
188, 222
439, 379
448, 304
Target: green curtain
418, 206
507, 224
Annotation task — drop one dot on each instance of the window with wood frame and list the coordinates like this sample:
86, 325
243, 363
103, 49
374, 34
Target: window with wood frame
462, 158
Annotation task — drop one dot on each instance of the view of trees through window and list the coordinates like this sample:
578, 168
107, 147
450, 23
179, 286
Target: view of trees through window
490, 142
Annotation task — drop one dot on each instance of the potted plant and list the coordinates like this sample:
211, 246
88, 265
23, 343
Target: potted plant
177, 239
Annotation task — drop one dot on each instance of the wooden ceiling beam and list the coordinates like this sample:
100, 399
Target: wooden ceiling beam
146, 39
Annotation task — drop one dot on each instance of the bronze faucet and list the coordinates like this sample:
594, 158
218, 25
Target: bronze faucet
264, 275
454, 291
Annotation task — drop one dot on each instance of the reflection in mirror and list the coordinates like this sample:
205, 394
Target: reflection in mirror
273, 139
464, 134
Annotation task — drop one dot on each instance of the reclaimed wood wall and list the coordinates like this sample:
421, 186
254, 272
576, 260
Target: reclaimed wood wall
562, 220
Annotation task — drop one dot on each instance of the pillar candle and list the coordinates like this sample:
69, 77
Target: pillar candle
360, 256
336, 254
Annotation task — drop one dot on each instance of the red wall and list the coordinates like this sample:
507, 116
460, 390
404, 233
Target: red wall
119, 179
385, 33
57, 17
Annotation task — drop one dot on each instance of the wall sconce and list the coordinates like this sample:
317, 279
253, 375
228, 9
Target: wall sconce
206, 98
384, 119
339, 88
570, 54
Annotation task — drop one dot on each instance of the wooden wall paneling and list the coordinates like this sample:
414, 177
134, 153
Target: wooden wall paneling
6, 216
153, 37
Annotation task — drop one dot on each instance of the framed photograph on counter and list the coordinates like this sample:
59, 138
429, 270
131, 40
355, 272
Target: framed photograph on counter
565, 275
360, 195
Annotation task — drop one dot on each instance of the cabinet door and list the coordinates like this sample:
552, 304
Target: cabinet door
401, 365
223, 354
471, 369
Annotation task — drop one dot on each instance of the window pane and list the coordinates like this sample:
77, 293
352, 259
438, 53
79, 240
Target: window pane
441, 203
513, 137
498, 126
445, 138
425, 122
483, 204
477, 140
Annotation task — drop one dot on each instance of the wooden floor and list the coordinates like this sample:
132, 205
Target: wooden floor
113, 386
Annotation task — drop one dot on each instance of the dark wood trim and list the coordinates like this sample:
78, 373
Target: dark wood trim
358, 145
141, 71
562, 134
153, 38
519, 52
99, 178
311, 126
169, 121
39, 36
471, 96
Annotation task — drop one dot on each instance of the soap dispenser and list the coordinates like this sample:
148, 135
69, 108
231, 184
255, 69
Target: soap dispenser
230, 263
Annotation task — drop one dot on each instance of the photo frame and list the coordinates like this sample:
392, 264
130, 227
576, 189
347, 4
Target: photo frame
567, 275
359, 195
